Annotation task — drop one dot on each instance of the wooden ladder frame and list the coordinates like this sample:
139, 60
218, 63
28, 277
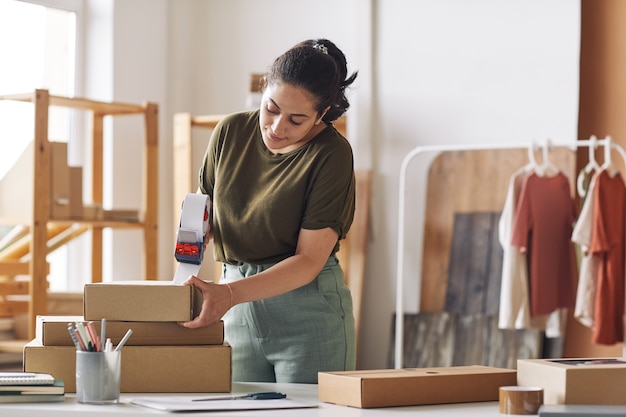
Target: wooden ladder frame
41, 217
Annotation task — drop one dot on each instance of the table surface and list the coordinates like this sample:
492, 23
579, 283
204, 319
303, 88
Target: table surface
302, 392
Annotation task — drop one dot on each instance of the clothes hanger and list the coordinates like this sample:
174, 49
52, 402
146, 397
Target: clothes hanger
608, 163
533, 164
591, 166
547, 165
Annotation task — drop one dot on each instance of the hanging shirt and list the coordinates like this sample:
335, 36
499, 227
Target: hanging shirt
542, 229
588, 270
514, 312
514, 307
607, 244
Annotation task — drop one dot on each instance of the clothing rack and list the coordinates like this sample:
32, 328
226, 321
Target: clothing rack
399, 320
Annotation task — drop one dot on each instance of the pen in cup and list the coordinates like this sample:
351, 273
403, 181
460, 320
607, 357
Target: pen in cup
86, 338
124, 339
72, 333
82, 333
93, 336
103, 332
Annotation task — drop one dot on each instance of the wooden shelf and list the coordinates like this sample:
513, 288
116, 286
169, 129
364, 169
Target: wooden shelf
44, 223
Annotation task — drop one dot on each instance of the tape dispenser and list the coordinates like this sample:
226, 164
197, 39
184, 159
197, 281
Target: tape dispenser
192, 229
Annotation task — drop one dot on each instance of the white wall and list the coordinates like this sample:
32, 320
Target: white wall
432, 71
456, 72
126, 60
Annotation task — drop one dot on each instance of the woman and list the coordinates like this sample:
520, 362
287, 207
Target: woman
281, 180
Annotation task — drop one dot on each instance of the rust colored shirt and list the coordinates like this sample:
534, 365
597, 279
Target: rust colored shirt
607, 245
542, 228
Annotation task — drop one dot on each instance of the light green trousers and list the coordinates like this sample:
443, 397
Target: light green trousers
291, 337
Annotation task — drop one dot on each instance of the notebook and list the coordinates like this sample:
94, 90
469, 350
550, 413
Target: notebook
25, 378
38, 398
31, 389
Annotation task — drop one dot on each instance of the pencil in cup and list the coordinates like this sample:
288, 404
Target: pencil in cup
84, 337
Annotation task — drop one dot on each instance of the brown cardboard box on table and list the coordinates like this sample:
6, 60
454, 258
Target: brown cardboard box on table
591, 381
52, 331
414, 386
141, 301
162, 369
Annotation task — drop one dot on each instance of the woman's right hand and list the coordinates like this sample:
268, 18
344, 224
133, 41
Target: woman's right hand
216, 301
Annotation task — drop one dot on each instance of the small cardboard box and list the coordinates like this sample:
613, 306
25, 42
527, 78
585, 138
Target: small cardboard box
591, 381
163, 369
141, 301
415, 386
59, 181
52, 331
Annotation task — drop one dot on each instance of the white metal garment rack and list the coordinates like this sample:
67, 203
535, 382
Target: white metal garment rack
399, 320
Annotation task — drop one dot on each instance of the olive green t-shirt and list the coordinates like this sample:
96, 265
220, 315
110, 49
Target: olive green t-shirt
261, 200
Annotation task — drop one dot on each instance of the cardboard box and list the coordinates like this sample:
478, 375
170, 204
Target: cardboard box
52, 331
163, 369
416, 386
591, 381
121, 214
59, 181
141, 301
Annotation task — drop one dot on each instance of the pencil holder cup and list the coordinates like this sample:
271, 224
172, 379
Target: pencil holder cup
98, 377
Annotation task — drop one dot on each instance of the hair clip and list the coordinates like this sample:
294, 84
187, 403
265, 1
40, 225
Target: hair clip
321, 47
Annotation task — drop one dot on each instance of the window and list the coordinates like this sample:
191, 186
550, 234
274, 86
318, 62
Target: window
38, 50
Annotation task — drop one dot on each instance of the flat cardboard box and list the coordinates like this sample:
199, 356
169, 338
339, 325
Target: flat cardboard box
52, 331
120, 214
414, 386
141, 301
590, 381
162, 369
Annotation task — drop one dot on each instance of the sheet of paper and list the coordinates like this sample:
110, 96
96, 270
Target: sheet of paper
177, 404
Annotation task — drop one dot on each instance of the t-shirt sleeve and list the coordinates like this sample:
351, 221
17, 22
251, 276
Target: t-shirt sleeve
206, 174
522, 221
600, 235
331, 198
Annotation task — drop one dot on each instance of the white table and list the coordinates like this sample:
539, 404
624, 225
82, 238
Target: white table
302, 392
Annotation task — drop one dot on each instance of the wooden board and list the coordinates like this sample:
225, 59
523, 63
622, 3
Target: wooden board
449, 339
475, 267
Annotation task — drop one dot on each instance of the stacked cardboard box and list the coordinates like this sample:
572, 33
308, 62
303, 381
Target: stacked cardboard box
160, 356
586, 381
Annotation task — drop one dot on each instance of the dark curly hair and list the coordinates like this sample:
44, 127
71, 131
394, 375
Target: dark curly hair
319, 67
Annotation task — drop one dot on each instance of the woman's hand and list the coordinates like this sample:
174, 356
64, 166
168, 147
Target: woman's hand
216, 301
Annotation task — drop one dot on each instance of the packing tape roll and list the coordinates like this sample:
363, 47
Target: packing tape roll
192, 215
520, 400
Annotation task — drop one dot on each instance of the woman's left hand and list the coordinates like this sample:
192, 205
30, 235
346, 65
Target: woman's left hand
216, 301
